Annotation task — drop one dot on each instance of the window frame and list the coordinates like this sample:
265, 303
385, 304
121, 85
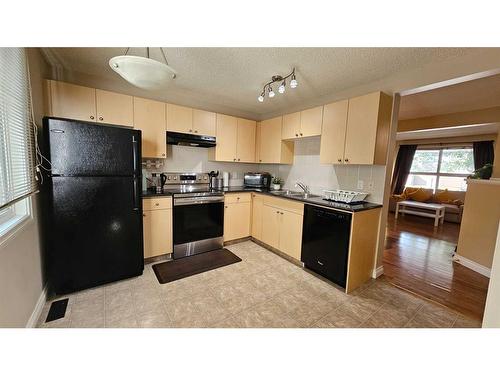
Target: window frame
438, 172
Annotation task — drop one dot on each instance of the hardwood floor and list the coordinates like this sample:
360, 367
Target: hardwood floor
418, 257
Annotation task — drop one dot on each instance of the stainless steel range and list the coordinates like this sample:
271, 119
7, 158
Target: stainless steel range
198, 213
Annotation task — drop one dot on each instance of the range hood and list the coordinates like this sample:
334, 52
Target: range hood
192, 140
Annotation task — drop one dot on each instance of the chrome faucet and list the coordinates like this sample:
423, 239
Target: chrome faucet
303, 187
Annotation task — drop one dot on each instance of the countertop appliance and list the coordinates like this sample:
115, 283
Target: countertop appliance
93, 206
325, 242
193, 140
198, 213
257, 180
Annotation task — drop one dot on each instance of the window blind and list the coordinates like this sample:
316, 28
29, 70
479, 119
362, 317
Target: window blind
17, 146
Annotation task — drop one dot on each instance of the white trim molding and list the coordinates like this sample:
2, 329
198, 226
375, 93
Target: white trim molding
485, 271
38, 309
377, 272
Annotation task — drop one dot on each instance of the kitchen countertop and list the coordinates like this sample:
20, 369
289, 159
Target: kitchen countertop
315, 199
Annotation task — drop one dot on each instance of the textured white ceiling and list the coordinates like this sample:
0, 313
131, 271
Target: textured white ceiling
467, 96
229, 80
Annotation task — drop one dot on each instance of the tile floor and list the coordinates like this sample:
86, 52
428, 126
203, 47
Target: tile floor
262, 291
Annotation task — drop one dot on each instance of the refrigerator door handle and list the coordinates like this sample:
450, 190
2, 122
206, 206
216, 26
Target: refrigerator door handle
136, 191
134, 149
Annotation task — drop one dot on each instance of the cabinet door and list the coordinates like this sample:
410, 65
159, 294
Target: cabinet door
72, 101
257, 142
245, 145
310, 122
290, 237
149, 117
114, 108
179, 119
204, 122
291, 126
270, 140
237, 221
227, 134
361, 134
157, 227
270, 226
333, 132
257, 206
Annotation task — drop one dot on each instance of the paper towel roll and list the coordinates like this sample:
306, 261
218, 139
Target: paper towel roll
225, 177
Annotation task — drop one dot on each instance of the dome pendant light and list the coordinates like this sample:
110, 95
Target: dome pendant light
281, 88
143, 72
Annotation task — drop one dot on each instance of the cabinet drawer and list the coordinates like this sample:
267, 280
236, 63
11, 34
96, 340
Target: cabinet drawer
149, 204
237, 198
285, 204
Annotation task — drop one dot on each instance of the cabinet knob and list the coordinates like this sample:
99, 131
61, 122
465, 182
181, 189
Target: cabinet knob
346, 160
100, 118
234, 159
238, 198
157, 204
301, 134
339, 160
260, 160
277, 212
162, 154
296, 135
196, 131
91, 117
281, 213
190, 130
225, 206
238, 159
144, 215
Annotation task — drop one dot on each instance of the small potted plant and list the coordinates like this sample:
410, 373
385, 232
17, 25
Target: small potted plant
277, 182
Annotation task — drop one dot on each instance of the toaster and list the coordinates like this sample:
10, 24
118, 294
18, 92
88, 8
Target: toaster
258, 180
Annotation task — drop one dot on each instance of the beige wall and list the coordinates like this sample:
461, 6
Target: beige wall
491, 317
21, 276
480, 220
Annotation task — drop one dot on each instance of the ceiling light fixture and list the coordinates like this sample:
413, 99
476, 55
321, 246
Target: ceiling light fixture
281, 88
143, 72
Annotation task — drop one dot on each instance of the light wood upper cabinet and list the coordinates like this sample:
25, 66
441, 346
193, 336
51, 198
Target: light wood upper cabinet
237, 216
368, 124
272, 148
257, 206
149, 117
257, 142
157, 230
291, 126
245, 144
114, 108
310, 122
70, 101
333, 132
204, 122
303, 124
227, 135
179, 119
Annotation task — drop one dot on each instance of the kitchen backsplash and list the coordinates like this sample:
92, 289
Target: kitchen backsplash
306, 168
194, 159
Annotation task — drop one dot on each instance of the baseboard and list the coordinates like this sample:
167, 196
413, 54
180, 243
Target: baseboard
38, 309
377, 272
485, 271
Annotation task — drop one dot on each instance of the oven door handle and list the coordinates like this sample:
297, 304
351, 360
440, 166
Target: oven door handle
197, 200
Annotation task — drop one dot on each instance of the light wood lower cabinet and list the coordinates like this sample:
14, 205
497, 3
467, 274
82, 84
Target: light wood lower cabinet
257, 207
237, 216
157, 227
282, 229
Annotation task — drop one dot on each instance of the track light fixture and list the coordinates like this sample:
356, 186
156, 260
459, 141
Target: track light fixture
281, 88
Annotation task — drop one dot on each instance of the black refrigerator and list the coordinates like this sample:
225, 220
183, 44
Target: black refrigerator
93, 206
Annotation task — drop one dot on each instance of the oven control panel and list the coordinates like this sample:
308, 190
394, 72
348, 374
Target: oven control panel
186, 178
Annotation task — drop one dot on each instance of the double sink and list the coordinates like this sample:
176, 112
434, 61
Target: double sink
293, 194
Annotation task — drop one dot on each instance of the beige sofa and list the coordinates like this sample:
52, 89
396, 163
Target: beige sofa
453, 212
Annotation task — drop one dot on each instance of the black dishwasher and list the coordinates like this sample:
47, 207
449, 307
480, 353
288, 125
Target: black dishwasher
325, 242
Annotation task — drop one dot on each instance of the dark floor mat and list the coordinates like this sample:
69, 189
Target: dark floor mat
57, 310
192, 265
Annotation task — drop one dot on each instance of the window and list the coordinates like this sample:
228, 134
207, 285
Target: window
17, 154
441, 168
